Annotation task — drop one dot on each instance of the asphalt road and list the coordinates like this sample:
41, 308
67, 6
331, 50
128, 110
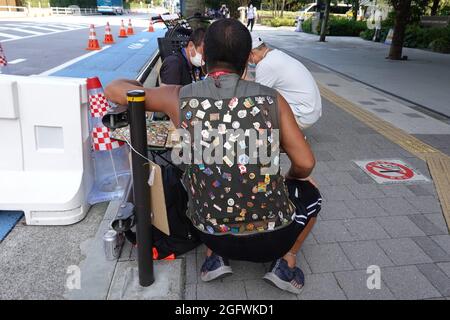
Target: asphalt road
34, 46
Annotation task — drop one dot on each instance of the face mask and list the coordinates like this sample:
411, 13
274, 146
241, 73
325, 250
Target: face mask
197, 59
252, 65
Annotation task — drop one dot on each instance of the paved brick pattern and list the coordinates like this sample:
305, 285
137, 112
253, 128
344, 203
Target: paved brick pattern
398, 228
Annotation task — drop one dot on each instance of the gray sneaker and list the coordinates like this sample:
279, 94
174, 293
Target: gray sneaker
285, 278
215, 267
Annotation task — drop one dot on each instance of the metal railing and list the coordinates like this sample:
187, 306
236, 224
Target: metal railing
73, 11
13, 9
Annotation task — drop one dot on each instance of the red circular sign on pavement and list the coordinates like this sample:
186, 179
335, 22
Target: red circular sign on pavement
389, 170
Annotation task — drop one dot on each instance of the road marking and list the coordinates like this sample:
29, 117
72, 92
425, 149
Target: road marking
26, 31
17, 61
15, 37
7, 35
42, 28
70, 62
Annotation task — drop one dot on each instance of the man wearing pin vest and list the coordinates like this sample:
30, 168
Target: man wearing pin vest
240, 204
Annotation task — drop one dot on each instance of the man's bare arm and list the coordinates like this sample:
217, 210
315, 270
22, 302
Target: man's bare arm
294, 143
162, 99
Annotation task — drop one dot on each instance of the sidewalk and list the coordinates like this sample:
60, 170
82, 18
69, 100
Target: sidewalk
421, 79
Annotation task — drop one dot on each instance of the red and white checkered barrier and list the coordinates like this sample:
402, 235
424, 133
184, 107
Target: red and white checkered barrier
3, 62
98, 105
102, 141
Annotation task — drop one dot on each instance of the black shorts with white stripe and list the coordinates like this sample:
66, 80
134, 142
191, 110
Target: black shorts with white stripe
306, 198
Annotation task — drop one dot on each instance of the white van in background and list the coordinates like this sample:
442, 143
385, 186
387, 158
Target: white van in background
341, 9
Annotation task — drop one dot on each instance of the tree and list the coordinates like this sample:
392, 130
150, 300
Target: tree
355, 8
326, 16
402, 14
435, 7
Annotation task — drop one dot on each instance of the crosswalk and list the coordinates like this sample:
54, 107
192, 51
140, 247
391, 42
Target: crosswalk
17, 31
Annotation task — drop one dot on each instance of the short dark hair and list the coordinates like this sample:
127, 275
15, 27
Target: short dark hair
197, 36
227, 44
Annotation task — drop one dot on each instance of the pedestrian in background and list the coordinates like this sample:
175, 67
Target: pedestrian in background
251, 16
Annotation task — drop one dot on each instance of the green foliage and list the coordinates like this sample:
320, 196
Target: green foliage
440, 45
418, 37
307, 25
278, 22
367, 34
338, 26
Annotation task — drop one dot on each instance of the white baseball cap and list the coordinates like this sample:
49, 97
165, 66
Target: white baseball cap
256, 42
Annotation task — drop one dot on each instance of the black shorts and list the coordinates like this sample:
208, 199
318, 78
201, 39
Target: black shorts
269, 246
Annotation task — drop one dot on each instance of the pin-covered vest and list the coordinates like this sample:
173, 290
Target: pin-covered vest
232, 171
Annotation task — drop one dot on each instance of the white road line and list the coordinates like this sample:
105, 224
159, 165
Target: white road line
61, 26
26, 31
43, 28
14, 38
10, 36
17, 61
70, 62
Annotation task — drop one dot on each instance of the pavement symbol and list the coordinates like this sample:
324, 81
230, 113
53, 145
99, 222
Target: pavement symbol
390, 171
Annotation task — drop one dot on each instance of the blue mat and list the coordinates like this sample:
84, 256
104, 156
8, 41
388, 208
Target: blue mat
122, 60
8, 219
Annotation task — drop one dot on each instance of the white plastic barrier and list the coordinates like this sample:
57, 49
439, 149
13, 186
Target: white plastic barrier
45, 162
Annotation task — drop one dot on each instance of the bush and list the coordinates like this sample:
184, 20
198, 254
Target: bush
338, 26
367, 34
441, 45
418, 37
307, 25
278, 22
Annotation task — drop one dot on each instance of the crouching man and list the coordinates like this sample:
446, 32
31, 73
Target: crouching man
241, 209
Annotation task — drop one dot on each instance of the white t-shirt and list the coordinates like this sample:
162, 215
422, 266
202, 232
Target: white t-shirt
294, 82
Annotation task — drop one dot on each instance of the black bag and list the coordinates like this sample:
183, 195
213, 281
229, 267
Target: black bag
183, 237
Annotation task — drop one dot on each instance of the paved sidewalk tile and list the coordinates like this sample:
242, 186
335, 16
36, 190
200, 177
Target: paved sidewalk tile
335, 210
419, 190
354, 284
365, 253
326, 258
365, 229
396, 206
432, 249
443, 241
427, 225
342, 165
394, 191
365, 208
408, 282
261, 290
340, 178
445, 266
361, 177
244, 270
404, 251
301, 262
191, 269
190, 292
399, 226
221, 290
366, 191
438, 220
330, 231
336, 193
436, 277
321, 286
425, 204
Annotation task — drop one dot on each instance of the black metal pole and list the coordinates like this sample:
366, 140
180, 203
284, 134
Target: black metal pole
138, 134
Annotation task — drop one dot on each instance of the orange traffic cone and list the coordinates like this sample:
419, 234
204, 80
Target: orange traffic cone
150, 27
93, 42
123, 32
130, 30
3, 61
108, 36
